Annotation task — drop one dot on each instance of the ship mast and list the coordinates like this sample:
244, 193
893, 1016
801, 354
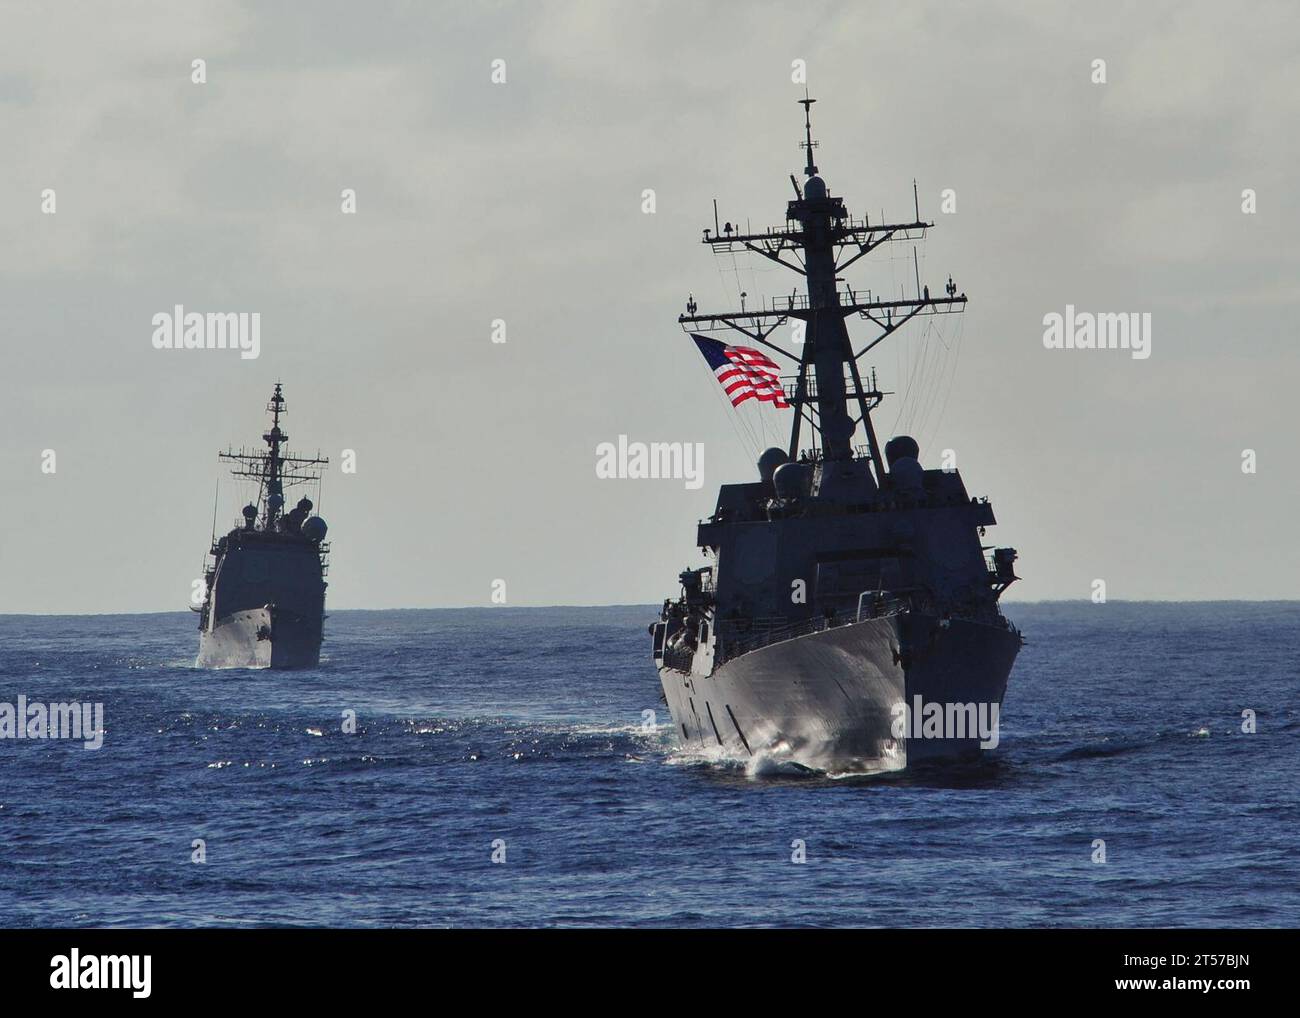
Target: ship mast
823, 240
274, 438
275, 469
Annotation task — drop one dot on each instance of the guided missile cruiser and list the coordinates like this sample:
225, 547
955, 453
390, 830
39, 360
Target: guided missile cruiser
846, 619
264, 605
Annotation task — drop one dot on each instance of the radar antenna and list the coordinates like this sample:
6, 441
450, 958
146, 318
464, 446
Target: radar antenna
819, 240
809, 144
274, 470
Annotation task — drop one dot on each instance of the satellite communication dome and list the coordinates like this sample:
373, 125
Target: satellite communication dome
901, 446
250, 512
769, 461
275, 501
304, 504
814, 189
314, 529
791, 480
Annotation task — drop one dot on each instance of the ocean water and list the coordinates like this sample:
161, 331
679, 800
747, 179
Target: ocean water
1122, 722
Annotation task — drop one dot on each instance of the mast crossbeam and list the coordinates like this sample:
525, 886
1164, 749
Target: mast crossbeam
850, 231
800, 305
819, 240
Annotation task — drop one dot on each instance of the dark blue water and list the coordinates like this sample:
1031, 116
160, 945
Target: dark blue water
1122, 723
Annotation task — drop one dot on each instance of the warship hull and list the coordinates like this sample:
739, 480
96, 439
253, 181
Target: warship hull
259, 638
828, 700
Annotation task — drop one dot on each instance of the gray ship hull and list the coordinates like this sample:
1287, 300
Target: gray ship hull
259, 638
829, 700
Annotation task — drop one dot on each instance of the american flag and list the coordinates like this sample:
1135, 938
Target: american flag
743, 372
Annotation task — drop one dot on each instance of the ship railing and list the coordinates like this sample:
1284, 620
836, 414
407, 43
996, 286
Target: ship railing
803, 302
762, 632
853, 389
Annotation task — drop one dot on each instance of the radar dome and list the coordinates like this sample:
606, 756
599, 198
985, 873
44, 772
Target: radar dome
814, 189
314, 529
275, 501
900, 447
304, 504
769, 461
250, 512
792, 480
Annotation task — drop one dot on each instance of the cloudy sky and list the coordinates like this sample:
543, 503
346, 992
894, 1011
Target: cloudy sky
523, 201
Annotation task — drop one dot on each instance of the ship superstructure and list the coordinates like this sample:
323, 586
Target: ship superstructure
846, 596
264, 605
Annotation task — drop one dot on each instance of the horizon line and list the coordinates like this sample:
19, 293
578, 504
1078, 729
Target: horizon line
652, 605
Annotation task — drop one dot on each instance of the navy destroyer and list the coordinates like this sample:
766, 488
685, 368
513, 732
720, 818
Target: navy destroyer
846, 619
264, 605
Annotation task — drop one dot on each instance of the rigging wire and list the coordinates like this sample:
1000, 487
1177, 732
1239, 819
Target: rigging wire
930, 368
952, 374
